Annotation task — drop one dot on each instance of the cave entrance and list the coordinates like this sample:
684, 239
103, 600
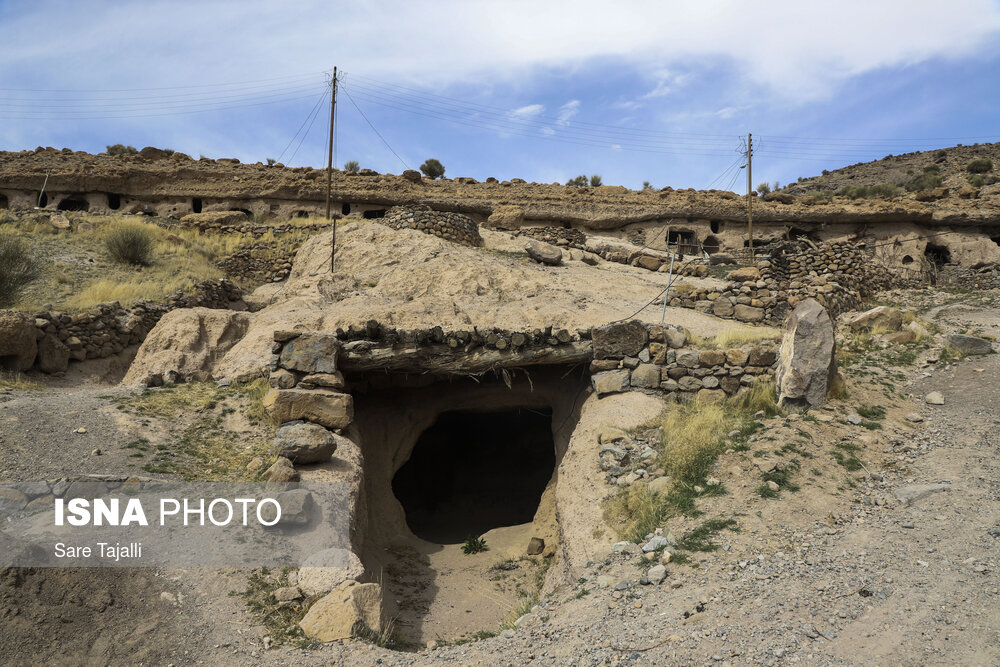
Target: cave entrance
114, 201
711, 245
345, 208
3, 201
474, 471
43, 200
938, 255
73, 204
374, 213
196, 205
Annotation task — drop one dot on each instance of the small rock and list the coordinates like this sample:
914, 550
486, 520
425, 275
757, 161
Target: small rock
80, 430
656, 574
95, 452
914, 418
934, 398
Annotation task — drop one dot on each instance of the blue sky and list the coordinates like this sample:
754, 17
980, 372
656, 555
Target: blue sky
634, 91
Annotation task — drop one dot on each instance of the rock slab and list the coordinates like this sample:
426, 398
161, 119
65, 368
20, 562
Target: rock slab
806, 365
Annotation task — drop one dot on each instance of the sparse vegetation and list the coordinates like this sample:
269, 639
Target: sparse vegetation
694, 435
878, 191
19, 267
352, 166
925, 181
578, 182
129, 243
432, 168
280, 620
763, 188
595, 180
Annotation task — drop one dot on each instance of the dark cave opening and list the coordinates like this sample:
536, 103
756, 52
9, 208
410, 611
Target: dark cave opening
73, 204
937, 255
471, 472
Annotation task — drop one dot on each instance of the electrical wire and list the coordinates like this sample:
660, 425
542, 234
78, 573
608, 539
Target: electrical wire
373, 128
306, 133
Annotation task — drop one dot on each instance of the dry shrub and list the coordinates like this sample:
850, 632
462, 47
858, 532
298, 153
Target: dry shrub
742, 335
129, 243
19, 267
692, 439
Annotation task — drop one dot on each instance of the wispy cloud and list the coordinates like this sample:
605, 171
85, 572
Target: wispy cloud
567, 111
528, 111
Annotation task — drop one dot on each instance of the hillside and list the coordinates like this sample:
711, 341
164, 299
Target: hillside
911, 173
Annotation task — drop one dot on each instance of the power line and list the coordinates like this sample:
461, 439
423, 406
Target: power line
312, 113
373, 127
306, 133
135, 90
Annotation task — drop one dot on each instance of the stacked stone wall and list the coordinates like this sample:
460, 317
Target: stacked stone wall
454, 227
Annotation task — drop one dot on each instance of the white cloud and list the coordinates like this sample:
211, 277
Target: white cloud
529, 111
800, 50
567, 111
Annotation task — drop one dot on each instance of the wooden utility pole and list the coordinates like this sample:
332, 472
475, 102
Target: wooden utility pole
329, 167
750, 193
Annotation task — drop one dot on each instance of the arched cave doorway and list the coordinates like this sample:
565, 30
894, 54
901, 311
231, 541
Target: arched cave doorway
715, 226
301, 214
244, 211
374, 213
345, 208
114, 201
4, 203
196, 204
907, 260
938, 255
471, 472
73, 204
711, 245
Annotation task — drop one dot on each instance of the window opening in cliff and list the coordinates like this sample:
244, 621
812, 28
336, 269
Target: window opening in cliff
244, 211
711, 245
302, 214
114, 201
374, 213
907, 259
471, 472
196, 204
937, 255
4, 203
43, 200
684, 240
715, 226
73, 204
345, 208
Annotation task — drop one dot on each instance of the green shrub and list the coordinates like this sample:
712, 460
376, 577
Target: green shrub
129, 243
352, 166
932, 169
646, 185
578, 182
763, 188
595, 180
980, 165
19, 267
940, 155
980, 180
122, 149
432, 168
474, 545
826, 172
925, 181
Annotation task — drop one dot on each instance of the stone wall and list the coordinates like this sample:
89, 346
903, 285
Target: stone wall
258, 262
109, 328
631, 356
449, 226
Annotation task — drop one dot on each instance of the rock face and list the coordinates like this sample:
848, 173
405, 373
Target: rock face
53, 356
18, 341
806, 366
186, 341
345, 612
213, 218
744, 274
543, 253
622, 339
318, 577
882, 318
970, 345
326, 408
610, 382
506, 216
300, 442
310, 354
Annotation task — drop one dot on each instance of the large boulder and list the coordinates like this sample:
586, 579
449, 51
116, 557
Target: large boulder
301, 442
806, 365
311, 353
618, 340
326, 570
326, 408
506, 216
970, 345
543, 253
349, 610
18, 341
53, 355
881, 318
745, 274
188, 340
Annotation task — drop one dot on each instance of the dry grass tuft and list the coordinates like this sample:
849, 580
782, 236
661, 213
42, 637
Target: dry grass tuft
742, 335
17, 382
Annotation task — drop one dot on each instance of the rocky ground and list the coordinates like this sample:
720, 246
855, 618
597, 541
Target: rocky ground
894, 561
